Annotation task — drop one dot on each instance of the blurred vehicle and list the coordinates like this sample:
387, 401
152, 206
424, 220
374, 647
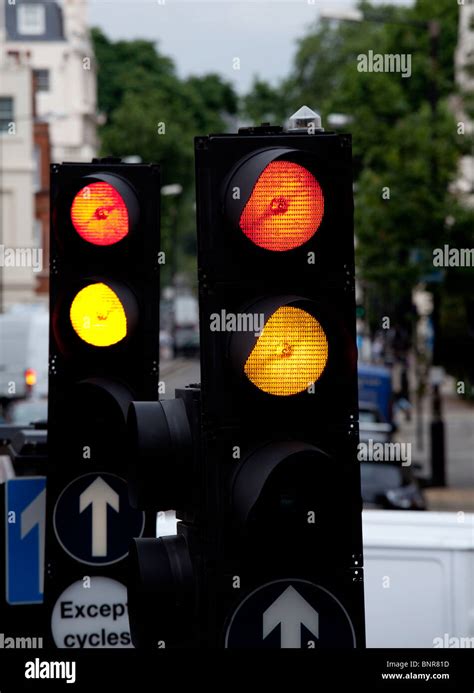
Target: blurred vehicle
372, 424
418, 580
186, 341
186, 310
186, 325
179, 315
390, 486
375, 388
385, 484
166, 345
26, 411
24, 353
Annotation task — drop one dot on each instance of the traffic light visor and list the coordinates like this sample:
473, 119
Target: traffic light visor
99, 214
290, 353
98, 316
285, 208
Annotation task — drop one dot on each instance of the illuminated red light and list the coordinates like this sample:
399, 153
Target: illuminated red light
30, 377
285, 208
99, 214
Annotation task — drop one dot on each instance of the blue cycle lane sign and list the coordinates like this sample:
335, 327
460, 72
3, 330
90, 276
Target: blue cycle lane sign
25, 524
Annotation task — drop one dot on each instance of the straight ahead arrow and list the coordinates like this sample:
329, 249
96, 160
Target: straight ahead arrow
290, 611
35, 514
99, 494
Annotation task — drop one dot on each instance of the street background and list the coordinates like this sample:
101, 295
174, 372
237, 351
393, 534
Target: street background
139, 80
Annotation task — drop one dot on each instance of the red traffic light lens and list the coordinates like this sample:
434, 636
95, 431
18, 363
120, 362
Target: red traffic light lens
285, 208
99, 214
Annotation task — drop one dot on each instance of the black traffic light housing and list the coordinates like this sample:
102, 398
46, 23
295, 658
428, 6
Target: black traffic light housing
279, 448
103, 354
260, 460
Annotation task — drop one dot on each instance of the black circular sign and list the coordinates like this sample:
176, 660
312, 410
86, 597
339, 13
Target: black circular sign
290, 614
94, 521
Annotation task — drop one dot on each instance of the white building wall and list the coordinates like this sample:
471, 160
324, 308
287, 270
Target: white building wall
70, 105
464, 58
16, 182
465, 48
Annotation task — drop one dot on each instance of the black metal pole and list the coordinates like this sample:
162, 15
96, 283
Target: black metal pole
437, 433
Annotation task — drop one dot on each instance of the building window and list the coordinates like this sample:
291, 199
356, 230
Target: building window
6, 113
31, 20
38, 233
37, 172
41, 80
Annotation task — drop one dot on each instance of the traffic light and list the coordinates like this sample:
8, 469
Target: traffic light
104, 353
282, 524
164, 573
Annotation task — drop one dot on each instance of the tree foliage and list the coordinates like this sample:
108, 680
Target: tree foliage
152, 113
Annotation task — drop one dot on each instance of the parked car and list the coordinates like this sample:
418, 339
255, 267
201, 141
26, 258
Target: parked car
26, 411
373, 425
375, 388
390, 486
24, 353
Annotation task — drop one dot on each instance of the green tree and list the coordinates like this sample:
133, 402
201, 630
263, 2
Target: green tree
404, 158
405, 155
152, 113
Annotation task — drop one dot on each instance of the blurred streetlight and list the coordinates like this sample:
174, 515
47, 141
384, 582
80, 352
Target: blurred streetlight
339, 120
172, 189
132, 159
342, 15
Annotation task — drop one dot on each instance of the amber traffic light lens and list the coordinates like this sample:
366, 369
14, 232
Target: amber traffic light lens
98, 316
285, 208
289, 355
99, 214
30, 377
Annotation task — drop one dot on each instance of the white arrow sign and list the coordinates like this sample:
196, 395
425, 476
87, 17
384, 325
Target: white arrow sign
99, 494
35, 515
290, 611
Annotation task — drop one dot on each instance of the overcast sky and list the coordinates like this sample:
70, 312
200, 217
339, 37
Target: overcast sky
207, 35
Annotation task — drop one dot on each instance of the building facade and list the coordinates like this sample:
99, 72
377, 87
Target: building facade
464, 67
58, 41
17, 171
47, 114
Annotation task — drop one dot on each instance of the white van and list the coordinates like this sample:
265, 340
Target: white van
24, 334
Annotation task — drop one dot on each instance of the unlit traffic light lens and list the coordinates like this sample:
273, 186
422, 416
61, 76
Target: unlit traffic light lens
99, 214
98, 315
289, 355
285, 208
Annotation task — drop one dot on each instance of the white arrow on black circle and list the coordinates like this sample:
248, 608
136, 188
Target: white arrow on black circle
99, 494
290, 611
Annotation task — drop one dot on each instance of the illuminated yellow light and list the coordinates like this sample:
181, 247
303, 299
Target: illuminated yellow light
30, 377
289, 355
98, 316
